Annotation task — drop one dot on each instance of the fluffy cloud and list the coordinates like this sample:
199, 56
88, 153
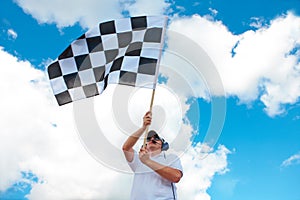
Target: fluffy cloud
16, 105
38, 137
88, 13
141, 7
261, 64
67, 13
200, 168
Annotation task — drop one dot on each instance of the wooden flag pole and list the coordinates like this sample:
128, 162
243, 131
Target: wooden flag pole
147, 128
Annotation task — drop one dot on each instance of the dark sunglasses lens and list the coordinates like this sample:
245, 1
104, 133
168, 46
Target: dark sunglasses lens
154, 140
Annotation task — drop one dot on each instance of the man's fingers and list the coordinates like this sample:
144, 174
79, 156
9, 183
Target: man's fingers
148, 114
143, 150
147, 118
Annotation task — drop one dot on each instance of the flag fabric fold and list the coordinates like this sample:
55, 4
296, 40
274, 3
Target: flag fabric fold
125, 51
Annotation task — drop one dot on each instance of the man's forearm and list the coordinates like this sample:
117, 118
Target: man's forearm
131, 140
173, 175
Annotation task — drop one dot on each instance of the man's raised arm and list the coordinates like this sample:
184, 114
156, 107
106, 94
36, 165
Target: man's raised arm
131, 140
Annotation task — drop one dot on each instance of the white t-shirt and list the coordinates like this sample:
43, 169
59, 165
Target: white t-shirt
149, 185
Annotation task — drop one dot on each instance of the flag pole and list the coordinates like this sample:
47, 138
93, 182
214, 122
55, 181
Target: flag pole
156, 77
147, 128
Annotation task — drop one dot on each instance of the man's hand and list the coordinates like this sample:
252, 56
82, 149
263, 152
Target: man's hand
147, 119
144, 155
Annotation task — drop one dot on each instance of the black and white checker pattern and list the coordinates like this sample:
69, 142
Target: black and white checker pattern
124, 51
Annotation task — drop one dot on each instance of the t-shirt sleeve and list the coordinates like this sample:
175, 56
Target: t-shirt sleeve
135, 162
174, 162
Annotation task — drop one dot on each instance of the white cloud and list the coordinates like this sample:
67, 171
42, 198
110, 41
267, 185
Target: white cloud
293, 160
14, 111
30, 142
213, 11
39, 136
255, 64
257, 22
200, 170
11, 33
67, 13
88, 13
196, 4
145, 7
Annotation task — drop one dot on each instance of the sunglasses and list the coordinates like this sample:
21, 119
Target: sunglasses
154, 140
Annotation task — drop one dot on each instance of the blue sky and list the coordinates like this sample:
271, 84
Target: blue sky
257, 155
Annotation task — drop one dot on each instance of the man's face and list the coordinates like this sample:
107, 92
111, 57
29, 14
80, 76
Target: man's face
154, 143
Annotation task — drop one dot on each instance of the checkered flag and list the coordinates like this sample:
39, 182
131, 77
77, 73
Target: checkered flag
125, 51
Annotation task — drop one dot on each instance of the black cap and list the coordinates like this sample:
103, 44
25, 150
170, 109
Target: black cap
152, 133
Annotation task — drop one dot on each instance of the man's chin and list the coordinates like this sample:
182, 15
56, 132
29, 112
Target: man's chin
154, 150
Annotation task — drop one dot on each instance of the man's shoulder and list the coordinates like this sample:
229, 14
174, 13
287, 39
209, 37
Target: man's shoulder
172, 157
173, 160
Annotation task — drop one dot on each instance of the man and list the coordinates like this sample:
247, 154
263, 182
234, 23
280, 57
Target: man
155, 173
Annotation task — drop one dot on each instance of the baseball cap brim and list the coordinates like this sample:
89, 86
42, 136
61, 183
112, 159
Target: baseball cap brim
152, 133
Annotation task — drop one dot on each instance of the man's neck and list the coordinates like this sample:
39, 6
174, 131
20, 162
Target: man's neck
155, 153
